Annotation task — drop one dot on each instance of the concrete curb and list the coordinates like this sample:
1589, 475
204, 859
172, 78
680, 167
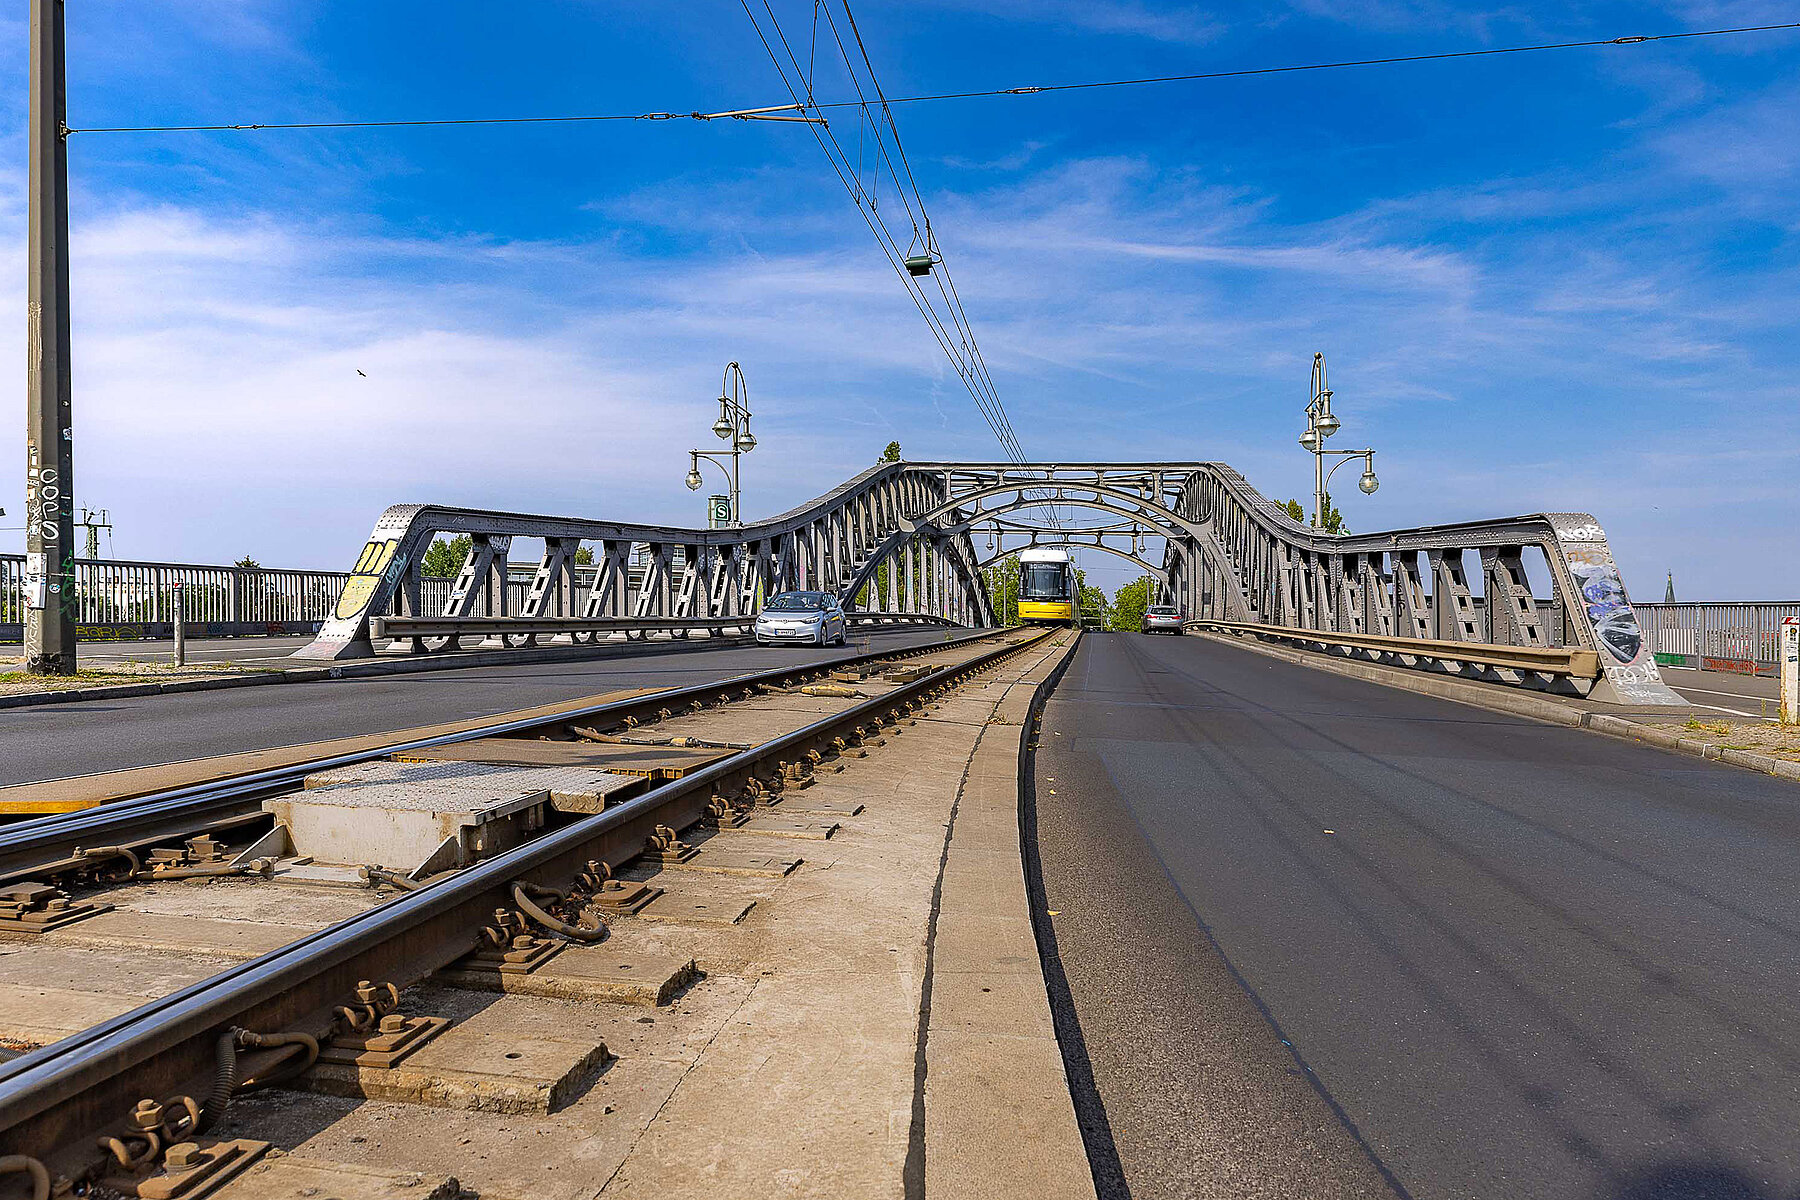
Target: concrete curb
370, 667
1537, 708
999, 1119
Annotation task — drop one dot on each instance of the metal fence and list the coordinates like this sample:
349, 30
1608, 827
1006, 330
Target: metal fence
117, 600
1716, 637
120, 600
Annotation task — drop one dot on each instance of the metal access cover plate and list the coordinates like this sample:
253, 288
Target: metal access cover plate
658, 762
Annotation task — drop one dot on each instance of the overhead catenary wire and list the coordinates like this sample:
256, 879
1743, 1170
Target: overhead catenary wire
971, 94
959, 345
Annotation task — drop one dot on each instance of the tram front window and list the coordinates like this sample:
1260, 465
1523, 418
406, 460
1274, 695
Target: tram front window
1042, 581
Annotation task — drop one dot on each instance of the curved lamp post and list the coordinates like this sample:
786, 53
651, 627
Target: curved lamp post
1321, 423
732, 426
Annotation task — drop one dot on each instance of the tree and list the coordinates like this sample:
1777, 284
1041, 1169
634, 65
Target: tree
1003, 590
1091, 601
584, 556
248, 563
444, 557
891, 454
1129, 603
1334, 520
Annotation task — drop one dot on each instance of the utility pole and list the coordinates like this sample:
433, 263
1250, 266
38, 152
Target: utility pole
93, 522
49, 459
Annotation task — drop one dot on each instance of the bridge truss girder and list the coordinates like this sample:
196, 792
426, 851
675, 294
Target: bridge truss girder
899, 537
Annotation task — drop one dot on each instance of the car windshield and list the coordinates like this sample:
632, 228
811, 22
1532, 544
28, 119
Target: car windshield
798, 602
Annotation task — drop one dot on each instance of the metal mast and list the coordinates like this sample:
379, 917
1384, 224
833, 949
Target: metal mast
49, 459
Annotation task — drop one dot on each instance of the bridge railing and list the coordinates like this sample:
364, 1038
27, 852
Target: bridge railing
121, 599
1716, 636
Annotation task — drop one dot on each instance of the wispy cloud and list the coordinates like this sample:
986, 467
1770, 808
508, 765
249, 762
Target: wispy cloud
1184, 24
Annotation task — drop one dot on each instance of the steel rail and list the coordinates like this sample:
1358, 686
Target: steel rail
46, 845
1546, 660
78, 1086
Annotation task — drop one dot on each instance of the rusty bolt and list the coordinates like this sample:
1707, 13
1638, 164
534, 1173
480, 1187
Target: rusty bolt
147, 1115
366, 992
183, 1156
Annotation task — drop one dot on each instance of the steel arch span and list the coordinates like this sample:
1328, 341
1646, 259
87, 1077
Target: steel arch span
900, 539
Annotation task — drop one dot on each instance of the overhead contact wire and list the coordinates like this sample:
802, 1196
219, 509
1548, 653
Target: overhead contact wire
933, 97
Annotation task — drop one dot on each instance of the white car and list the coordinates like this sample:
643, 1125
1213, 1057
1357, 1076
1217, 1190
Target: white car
807, 618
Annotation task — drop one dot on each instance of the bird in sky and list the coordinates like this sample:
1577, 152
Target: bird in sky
359, 371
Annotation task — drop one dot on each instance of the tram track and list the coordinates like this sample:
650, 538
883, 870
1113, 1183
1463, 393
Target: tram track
54, 1100
44, 846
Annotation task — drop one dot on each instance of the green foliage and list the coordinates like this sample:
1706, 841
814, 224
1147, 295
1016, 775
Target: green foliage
444, 557
1003, 590
1334, 520
248, 563
891, 454
584, 556
1129, 603
1095, 610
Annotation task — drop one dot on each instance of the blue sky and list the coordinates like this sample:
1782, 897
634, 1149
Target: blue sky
1559, 281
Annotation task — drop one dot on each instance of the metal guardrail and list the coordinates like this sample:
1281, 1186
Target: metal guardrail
586, 630
1553, 662
74, 1087
1717, 636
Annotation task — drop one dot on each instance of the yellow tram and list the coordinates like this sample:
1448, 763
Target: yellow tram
1046, 587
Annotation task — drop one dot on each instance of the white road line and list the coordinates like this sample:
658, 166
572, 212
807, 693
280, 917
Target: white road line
1737, 711
1681, 687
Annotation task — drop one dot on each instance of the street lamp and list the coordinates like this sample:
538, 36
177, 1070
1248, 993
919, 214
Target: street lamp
732, 426
1321, 423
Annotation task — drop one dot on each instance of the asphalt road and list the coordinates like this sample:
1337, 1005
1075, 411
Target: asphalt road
56, 740
244, 651
1316, 937
1744, 695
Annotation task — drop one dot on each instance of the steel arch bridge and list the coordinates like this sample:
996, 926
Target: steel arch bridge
912, 539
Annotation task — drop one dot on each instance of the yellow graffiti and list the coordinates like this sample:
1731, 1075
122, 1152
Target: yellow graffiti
365, 577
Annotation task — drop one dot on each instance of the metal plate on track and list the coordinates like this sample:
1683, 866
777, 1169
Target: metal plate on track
655, 762
443, 785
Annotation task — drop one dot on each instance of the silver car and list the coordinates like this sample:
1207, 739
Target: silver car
1162, 618
806, 618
